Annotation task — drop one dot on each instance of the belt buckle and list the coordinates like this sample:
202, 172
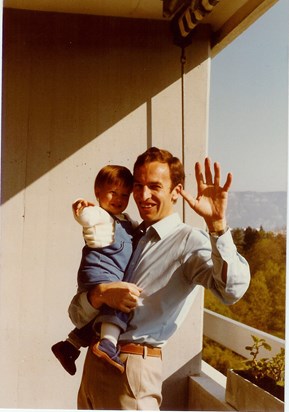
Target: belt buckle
145, 352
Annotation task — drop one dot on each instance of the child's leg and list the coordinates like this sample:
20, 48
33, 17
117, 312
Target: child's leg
73, 342
107, 347
110, 331
82, 337
68, 351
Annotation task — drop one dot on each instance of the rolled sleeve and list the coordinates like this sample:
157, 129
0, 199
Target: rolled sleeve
80, 310
238, 271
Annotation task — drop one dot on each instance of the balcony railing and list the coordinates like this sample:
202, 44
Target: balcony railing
207, 390
235, 335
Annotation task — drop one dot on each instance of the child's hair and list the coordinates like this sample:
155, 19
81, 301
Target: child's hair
114, 174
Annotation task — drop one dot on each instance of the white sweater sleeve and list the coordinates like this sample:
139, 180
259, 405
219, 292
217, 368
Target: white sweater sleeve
98, 226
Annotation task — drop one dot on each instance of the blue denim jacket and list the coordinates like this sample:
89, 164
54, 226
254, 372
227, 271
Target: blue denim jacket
107, 264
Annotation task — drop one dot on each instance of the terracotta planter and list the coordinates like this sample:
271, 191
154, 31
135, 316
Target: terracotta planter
244, 395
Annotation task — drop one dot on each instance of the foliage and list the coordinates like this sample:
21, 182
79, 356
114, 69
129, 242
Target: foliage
266, 373
273, 368
219, 357
263, 305
276, 368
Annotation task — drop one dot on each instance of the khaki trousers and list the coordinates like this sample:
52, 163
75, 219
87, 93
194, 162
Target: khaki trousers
104, 387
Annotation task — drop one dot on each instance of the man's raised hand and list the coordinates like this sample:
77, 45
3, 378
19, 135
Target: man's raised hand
212, 198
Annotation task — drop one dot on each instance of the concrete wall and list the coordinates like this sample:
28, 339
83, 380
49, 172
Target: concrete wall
80, 92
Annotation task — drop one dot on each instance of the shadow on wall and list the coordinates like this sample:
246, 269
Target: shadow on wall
68, 78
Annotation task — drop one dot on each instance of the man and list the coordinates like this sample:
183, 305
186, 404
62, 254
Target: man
170, 260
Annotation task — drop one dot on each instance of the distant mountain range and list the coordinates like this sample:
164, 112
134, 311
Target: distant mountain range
255, 209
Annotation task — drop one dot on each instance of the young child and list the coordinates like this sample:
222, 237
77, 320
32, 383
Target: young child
108, 235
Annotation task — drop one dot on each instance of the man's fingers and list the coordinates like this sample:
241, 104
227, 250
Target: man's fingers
217, 171
228, 182
125, 309
131, 288
208, 173
128, 305
198, 173
188, 198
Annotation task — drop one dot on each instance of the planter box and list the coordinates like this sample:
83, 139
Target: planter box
244, 395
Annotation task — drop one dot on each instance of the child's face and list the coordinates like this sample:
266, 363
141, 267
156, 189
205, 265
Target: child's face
113, 197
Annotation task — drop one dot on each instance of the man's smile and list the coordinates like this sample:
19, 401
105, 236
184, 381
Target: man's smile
146, 205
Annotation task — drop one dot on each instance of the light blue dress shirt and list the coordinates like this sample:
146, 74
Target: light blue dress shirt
170, 261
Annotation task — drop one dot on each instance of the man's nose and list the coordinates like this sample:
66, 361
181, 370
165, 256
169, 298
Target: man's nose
145, 193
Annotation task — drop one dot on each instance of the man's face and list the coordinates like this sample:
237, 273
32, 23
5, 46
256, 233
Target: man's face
152, 192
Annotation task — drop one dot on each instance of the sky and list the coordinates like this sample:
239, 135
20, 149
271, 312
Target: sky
248, 129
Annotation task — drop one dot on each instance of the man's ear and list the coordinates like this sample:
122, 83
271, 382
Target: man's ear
176, 192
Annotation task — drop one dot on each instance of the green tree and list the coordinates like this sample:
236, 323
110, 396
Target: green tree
220, 357
213, 303
276, 282
267, 247
250, 238
239, 239
263, 305
257, 303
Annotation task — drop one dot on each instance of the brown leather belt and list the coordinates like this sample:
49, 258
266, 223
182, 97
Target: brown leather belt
140, 349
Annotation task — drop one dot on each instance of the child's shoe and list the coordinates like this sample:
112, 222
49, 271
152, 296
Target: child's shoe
67, 354
105, 349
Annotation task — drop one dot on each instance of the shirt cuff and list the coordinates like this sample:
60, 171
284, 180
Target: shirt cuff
219, 233
224, 246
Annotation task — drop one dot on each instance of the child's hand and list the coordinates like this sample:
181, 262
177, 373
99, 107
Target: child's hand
79, 205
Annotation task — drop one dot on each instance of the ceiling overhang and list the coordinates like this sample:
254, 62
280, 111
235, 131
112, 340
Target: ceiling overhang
227, 18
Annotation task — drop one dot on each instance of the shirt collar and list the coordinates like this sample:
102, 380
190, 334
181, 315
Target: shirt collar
164, 226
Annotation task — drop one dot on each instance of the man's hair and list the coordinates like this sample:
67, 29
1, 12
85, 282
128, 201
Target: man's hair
114, 174
153, 154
